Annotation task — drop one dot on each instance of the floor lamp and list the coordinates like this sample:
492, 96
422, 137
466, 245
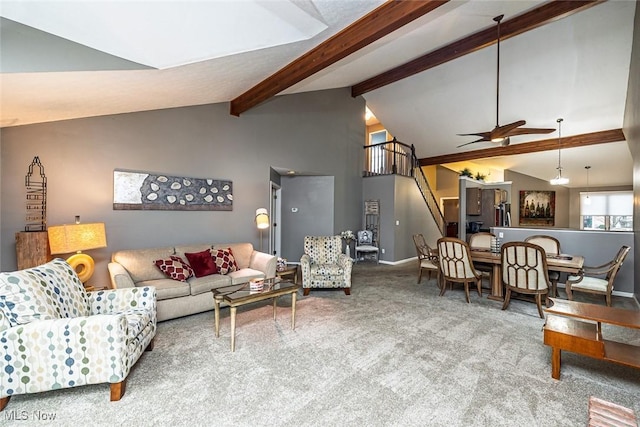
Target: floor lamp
65, 239
262, 222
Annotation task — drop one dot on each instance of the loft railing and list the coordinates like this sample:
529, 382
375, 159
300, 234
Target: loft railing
397, 158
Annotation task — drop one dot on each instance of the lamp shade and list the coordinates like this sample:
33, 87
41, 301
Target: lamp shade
262, 218
64, 239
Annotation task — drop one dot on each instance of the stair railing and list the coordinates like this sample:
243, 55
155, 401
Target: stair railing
397, 158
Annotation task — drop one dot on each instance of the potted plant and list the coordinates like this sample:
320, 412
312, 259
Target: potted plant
466, 172
480, 177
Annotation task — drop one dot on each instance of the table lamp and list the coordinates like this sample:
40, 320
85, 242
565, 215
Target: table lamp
64, 239
262, 222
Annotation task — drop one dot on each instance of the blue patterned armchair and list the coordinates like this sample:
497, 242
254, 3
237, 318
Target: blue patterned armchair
54, 334
324, 265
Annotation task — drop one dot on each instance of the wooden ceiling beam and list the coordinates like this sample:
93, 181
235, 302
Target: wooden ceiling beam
575, 141
530, 20
382, 21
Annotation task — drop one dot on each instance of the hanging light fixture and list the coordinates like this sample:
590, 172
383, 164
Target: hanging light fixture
587, 200
559, 179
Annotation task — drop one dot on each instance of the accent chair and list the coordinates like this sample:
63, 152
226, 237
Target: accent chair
324, 265
55, 335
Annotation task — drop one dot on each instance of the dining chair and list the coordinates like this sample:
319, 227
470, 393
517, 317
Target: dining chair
427, 257
482, 241
454, 260
551, 246
587, 280
524, 271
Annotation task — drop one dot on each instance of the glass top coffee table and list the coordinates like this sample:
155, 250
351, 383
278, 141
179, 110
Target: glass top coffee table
241, 294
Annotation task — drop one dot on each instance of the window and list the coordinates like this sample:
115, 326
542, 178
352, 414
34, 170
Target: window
607, 210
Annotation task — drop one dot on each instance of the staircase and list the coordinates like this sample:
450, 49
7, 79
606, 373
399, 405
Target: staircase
397, 158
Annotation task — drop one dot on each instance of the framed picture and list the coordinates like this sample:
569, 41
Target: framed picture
537, 208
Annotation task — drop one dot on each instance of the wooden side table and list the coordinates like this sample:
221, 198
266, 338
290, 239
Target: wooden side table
289, 272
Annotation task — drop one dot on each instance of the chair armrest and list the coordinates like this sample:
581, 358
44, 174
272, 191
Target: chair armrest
113, 301
347, 264
264, 262
120, 277
305, 268
599, 270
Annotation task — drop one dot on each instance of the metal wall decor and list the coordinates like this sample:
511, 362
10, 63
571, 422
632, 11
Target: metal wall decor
147, 191
36, 183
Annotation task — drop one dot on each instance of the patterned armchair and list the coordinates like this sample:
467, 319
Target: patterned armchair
54, 334
324, 265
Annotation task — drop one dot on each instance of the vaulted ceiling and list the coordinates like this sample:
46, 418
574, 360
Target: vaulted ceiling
95, 58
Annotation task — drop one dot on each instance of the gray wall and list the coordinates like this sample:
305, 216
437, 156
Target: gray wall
401, 201
320, 132
307, 210
631, 128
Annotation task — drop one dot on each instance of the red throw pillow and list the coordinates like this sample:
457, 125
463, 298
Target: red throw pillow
224, 260
201, 263
175, 268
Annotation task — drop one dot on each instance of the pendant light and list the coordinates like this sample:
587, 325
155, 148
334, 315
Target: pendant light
559, 179
587, 200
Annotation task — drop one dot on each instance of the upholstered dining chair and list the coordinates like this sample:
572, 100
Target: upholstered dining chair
365, 245
482, 241
454, 259
551, 246
524, 271
588, 280
427, 257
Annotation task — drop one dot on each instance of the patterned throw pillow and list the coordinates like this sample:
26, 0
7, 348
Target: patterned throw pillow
201, 263
224, 260
175, 268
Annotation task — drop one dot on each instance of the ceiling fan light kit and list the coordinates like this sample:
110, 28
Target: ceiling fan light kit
559, 179
499, 133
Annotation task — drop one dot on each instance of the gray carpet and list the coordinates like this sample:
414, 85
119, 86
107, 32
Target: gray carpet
393, 353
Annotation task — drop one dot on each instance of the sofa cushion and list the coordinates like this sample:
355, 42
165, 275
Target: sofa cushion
202, 263
200, 285
241, 252
140, 262
166, 288
224, 260
175, 268
244, 275
49, 291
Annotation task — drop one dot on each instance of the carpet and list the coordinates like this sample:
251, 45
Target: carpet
393, 353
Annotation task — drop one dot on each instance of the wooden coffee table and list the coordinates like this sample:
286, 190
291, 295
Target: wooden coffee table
240, 294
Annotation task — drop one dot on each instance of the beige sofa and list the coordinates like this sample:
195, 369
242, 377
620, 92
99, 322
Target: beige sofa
136, 268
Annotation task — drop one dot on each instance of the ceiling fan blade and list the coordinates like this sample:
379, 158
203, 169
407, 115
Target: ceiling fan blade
505, 130
472, 142
485, 135
526, 131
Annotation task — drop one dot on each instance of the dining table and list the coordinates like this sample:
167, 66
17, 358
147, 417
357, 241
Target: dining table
564, 263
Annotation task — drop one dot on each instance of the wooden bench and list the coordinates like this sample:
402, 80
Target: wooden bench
577, 327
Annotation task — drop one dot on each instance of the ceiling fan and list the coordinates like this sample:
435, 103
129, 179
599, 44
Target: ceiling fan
502, 133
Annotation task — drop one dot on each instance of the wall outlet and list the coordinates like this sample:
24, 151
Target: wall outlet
397, 222
382, 250
501, 235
